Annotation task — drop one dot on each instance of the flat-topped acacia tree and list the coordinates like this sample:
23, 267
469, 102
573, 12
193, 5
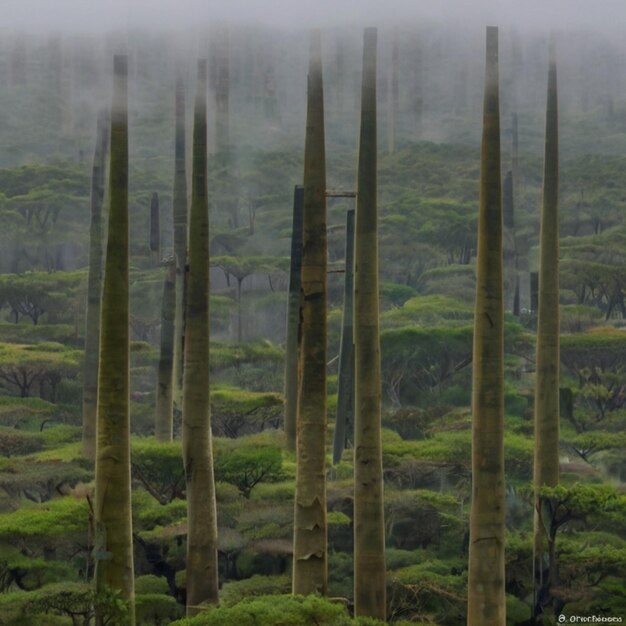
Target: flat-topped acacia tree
94, 289
546, 461
310, 534
369, 526
486, 605
202, 580
113, 541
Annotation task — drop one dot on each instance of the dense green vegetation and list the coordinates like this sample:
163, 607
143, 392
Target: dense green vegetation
428, 207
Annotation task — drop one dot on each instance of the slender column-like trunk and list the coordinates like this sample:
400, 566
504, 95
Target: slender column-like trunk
154, 229
292, 340
202, 581
179, 210
344, 425
113, 543
310, 534
165, 391
94, 290
486, 605
546, 462
392, 98
369, 526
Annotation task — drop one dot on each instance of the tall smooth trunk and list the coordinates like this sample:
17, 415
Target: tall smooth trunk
292, 339
344, 424
546, 461
310, 533
94, 290
369, 526
202, 580
154, 229
165, 389
392, 99
179, 210
113, 544
486, 605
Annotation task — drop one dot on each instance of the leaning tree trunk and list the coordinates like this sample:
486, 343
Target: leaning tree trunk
202, 581
179, 209
486, 605
165, 391
292, 339
369, 527
310, 534
94, 290
113, 544
344, 424
546, 462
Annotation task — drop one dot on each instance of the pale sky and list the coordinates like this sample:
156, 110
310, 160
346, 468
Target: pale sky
78, 15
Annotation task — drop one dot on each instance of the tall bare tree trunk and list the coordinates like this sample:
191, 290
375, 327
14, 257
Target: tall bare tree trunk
344, 425
94, 290
165, 390
179, 209
155, 229
292, 339
546, 462
113, 544
310, 533
392, 96
369, 526
486, 605
202, 581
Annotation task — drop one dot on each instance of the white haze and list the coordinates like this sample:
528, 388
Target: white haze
97, 15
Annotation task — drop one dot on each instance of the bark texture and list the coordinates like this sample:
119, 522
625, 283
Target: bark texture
113, 544
546, 462
179, 209
310, 533
202, 580
344, 425
369, 527
292, 339
486, 605
94, 289
165, 388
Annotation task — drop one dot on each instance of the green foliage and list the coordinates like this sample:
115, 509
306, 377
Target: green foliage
159, 468
46, 363
156, 609
77, 601
61, 516
430, 310
278, 610
17, 411
246, 462
237, 411
416, 359
17, 442
232, 592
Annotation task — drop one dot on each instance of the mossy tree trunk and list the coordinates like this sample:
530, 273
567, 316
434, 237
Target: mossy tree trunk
344, 425
94, 290
486, 605
292, 339
113, 544
179, 209
310, 534
165, 389
369, 527
546, 462
392, 96
202, 581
